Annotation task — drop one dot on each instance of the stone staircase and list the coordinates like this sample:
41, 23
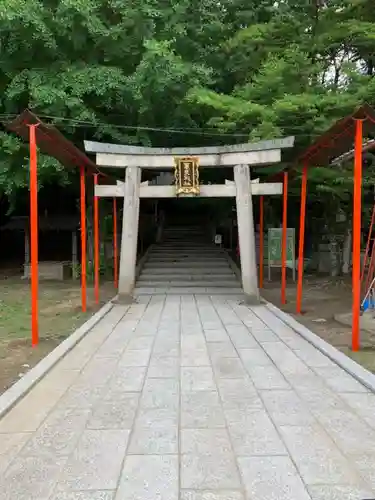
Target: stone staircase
186, 262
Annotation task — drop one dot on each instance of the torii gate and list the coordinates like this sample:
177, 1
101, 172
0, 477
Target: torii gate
239, 156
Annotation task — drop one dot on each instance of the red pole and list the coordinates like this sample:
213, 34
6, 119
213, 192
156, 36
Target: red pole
96, 241
83, 241
284, 239
357, 213
301, 243
261, 240
115, 254
34, 235
368, 243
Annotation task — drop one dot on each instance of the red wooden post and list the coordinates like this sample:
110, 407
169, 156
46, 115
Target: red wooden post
83, 241
357, 213
34, 235
301, 243
284, 239
96, 241
261, 240
115, 254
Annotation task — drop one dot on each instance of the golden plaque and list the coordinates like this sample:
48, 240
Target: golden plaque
187, 175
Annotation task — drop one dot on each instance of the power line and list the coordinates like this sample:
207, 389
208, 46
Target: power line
171, 130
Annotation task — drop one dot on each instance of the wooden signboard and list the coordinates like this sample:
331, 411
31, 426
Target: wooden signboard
275, 247
187, 175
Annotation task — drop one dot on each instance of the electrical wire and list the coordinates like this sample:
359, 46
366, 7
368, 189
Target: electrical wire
171, 130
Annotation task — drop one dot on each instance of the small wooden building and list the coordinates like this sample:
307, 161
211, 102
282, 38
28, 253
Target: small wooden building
49, 269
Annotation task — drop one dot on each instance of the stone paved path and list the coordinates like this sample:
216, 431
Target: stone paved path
184, 398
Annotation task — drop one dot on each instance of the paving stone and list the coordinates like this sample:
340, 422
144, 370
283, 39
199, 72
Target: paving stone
197, 379
221, 349
205, 441
149, 477
97, 371
201, 409
164, 367
84, 495
319, 398
266, 377
271, 478
228, 368
318, 459
32, 410
340, 381
312, 357
351, 434
363, 404
211, 495
13, 441
263, 335
195, 358
254, 357
241, 337
238, 396
193, 342
365, 464
138, 357
83, 394
255, 434
116, 414
155, 433
285, 360
96, 462
335, 492
140, 343
10, 446
160, 393
213, 472
31, 478
123, 381
170, 350
286, 408
218, 335
59, 434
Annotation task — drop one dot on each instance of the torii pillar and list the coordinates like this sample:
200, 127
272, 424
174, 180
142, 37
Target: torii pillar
246, 233
129, 237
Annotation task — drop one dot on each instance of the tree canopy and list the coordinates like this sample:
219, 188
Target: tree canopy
183, 72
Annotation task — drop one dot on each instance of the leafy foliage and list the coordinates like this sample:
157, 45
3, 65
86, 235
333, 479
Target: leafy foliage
217, 71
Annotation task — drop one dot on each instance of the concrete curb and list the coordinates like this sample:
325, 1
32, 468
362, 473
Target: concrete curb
357, 371
28, 381
233, 265
142, 261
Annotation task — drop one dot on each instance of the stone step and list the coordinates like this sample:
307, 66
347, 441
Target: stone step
190, 246
187, 258
198, 284
147, 276
184, 230
186, 242
186, 249
155, 271
186, 265
179, 255
188, 290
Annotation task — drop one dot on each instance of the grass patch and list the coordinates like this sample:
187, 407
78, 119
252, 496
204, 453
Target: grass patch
59, 306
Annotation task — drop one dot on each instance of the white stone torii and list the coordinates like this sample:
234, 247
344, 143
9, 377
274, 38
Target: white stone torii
240, 157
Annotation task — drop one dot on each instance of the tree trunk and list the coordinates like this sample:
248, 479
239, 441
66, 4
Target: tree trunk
346, 252
334, 255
